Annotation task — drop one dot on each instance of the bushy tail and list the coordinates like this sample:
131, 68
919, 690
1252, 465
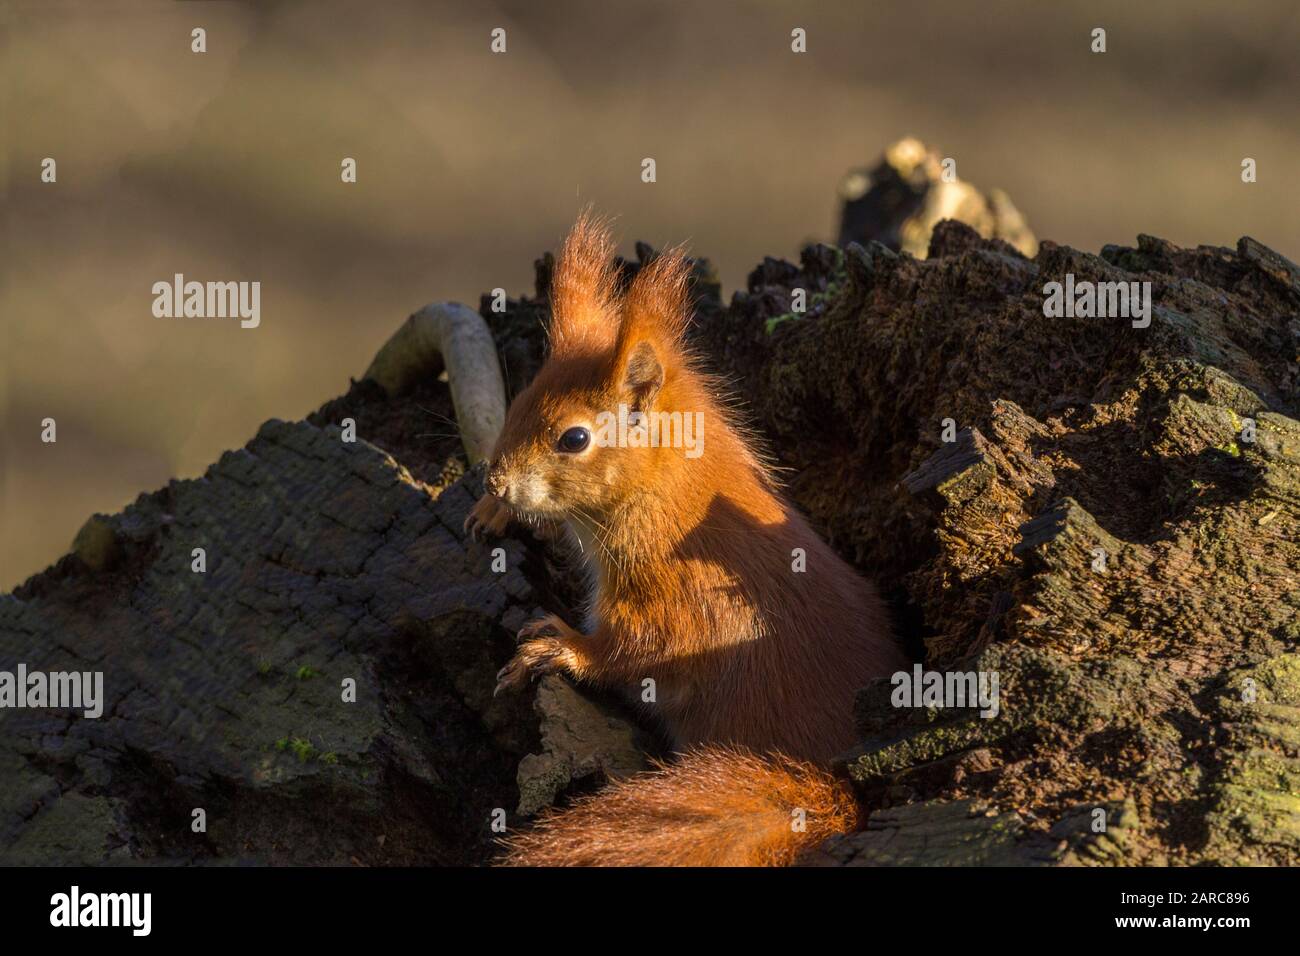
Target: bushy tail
711, 807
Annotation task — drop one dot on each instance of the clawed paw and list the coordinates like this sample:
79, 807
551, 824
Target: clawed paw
533, 659
549, 626
489, 517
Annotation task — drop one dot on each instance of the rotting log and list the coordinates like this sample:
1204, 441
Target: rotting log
1113, 529
1156, 685
324, 561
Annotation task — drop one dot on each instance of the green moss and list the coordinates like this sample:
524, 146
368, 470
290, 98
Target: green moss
306, 672
298, 746
302, 749
920, 748
1040, 692
816, 299
1256, 813
776, 320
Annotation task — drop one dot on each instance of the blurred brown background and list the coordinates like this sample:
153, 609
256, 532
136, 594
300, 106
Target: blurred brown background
225, 166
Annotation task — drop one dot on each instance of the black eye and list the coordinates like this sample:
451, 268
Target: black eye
575, 439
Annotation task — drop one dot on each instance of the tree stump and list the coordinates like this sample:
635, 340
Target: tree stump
1112, 530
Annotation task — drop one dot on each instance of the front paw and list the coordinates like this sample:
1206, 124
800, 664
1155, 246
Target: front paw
544, 655
550, 625
488, 518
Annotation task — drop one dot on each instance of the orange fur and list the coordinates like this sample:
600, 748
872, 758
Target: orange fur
713, 807
584, 312
691, 559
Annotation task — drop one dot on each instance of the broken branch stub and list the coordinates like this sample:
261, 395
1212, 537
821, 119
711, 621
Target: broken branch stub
455, 337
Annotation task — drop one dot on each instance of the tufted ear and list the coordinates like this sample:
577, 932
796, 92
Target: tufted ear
584, 313
643, 376
649, 349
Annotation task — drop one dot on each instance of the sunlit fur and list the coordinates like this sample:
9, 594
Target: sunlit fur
712, 807
691, 559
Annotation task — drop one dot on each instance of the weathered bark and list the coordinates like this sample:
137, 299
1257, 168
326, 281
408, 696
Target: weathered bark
326, 560
1122, 683
1163, 691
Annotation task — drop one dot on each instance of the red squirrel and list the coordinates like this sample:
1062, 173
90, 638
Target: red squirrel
705, 580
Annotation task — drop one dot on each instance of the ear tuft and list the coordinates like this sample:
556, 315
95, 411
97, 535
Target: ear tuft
658, 302
655, 312
584, 288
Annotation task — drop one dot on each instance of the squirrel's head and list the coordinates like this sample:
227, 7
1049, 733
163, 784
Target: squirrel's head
569, 446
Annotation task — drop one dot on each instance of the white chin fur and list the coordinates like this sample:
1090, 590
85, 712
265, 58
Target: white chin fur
533, 495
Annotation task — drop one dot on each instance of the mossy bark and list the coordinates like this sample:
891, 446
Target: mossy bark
1113, 527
